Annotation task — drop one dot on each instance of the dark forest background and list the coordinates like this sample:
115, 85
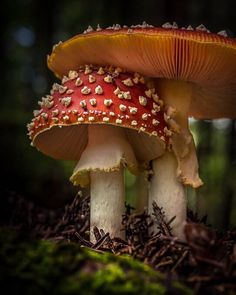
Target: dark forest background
29, 29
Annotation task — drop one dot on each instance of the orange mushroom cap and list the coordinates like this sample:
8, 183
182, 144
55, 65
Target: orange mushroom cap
95, 95
205, 59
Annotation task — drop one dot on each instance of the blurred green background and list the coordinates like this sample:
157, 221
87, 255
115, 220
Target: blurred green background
30, 28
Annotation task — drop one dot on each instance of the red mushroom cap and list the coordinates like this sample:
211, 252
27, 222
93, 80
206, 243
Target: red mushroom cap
97, 96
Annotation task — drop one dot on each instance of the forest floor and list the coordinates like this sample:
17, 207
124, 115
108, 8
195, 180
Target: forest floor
205, 263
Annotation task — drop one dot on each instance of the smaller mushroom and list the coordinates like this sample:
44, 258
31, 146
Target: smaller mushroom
106, 127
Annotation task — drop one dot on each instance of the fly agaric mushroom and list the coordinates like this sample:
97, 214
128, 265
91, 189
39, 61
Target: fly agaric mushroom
195, 71
82, 120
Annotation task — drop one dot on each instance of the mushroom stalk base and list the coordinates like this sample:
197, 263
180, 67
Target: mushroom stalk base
101, 165
168, 193
107, 209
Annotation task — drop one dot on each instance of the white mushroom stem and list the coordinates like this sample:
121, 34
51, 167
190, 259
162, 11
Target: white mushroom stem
101, 164
168, 192
175, 169
107, 203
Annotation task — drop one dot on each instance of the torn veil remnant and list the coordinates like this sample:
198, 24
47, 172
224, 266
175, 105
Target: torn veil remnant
195, 74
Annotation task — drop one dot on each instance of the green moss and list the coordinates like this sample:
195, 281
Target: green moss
41, 267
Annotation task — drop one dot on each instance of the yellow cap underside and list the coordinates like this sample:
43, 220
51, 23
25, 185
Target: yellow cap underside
205, 61
135, 52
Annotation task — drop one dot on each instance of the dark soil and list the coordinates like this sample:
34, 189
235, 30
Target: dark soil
206, 262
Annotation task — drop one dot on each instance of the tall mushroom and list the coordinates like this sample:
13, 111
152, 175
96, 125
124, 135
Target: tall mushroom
106, 119
195, 73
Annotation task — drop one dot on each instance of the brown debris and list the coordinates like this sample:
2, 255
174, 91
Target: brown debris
160, 218
206, 261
